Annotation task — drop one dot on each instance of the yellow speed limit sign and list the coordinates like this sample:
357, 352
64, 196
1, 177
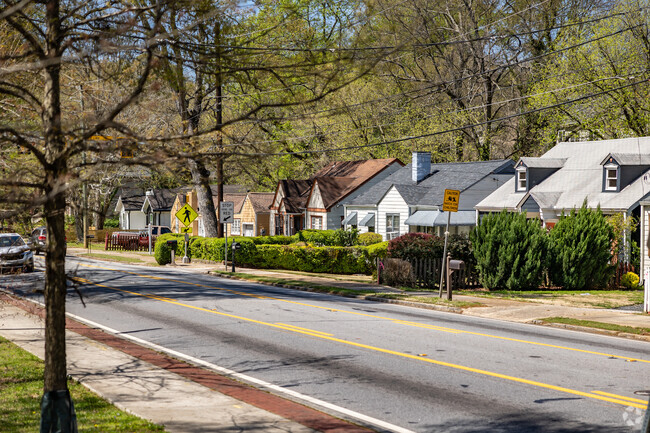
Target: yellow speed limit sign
450, 202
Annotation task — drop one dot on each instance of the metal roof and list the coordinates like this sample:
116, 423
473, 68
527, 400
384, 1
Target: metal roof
434, 218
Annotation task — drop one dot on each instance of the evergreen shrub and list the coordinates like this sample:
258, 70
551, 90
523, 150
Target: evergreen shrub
163, 252
370, 238
581, 250
412, 246
630, 280
509, 250
327, 238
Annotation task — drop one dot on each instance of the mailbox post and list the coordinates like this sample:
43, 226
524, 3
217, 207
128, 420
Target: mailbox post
172, 244
452, 265
89, 242
235, 247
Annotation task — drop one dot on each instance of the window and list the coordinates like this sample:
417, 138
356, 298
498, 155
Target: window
611, 178
522, 181
392, 226
236, 227
317, 222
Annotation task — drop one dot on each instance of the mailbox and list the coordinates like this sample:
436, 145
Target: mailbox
456, 265
172, 243
236, 246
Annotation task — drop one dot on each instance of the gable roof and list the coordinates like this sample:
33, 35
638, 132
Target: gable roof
160, 200
430, 190
130, 198
580, 178
261, 201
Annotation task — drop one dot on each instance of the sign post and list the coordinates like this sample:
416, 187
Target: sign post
226, 215
449, 205
186, 215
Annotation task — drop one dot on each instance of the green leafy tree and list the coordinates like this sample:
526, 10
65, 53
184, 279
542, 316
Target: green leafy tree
509, 250
581, 250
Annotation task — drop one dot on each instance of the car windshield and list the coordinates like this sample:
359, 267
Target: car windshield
11, 241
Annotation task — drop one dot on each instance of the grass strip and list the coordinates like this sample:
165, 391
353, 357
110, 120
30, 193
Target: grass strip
111, 257
434, 300
320, 288
598, 325
21, 388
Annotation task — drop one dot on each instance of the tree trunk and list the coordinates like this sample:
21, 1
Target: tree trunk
55, 375
201, 181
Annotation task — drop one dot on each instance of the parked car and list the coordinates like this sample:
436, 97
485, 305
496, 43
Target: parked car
38, 239
15, 253
155, 232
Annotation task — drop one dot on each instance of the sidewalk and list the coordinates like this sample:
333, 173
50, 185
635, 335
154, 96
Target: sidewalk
188, 399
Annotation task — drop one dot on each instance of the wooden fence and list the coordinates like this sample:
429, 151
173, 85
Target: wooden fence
126, 242
424, 273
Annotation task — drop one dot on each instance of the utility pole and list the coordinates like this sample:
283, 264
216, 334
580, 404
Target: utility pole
219, 120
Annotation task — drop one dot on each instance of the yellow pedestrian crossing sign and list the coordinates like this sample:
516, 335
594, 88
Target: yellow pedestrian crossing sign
450, 203
186, 230
186, 215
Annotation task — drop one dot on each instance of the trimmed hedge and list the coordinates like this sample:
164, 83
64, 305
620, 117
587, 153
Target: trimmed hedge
336, 260
163, 252
331, 238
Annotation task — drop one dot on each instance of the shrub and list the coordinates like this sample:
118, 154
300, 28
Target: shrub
335, 260
162, 251
581, 246
509, 250
630, 280
111, 222
397, 272
272, 240
370, 238
324, 238
416, 246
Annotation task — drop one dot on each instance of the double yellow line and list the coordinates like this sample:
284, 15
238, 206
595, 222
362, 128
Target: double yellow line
597, 395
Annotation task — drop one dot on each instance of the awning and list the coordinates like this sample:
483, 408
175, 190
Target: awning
350, 220
434, 218
368, 220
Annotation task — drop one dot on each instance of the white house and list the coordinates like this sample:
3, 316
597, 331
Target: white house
137, 208
410, 200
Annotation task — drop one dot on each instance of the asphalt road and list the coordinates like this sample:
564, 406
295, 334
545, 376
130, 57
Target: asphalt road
406, 369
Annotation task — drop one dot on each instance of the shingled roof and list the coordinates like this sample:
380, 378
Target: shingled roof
430, 190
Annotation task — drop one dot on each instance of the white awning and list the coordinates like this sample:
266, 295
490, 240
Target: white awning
350, 220
434, 218
368, 220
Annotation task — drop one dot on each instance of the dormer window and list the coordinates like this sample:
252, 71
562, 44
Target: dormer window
611, 177
522, 182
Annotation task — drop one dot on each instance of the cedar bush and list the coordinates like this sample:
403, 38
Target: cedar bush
370, 238
509, 251
581, 250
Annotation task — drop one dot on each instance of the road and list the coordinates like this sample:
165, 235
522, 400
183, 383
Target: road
398, 368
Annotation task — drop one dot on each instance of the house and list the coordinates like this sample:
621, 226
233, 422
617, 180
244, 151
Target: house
319, 202
234, 193
410, 200
254, 217
612, 174
137, 207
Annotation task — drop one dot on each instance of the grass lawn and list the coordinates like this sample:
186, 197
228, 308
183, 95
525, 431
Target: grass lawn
572, 298
111, 257
21, 388
599, 325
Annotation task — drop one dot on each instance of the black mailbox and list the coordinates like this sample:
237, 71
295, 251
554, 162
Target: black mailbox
236, 246
456, 265
90, 236
172, 243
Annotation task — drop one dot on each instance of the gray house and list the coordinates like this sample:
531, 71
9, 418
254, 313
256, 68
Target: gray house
612, 174
410, 200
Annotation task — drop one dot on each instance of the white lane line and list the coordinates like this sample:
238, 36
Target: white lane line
352, 414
